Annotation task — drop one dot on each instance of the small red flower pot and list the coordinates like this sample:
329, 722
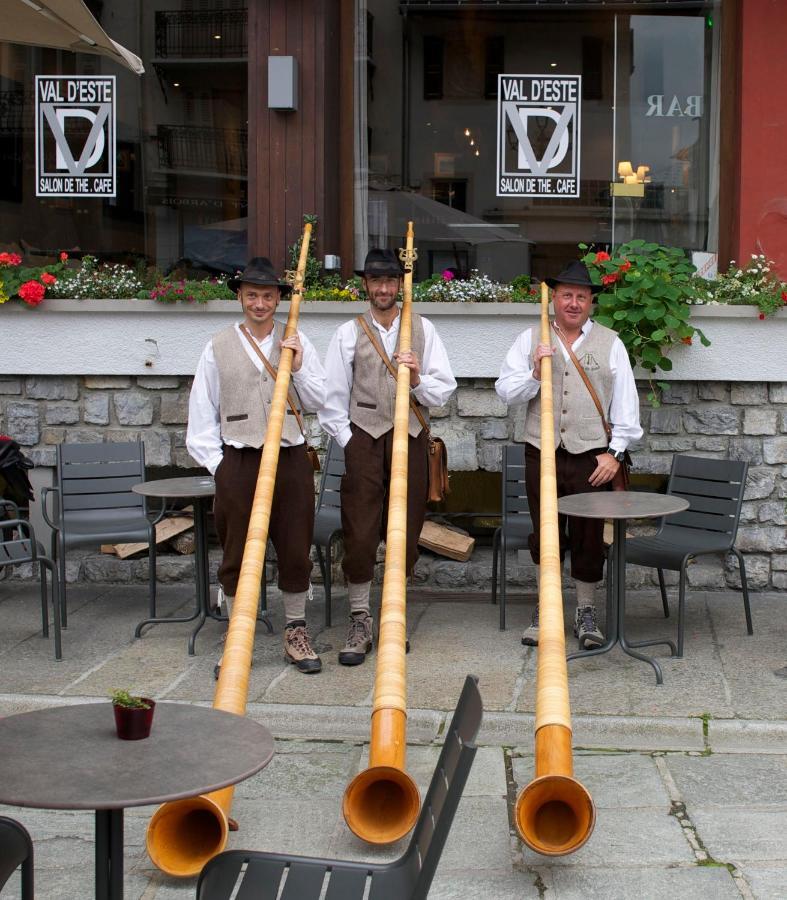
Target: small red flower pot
134, 724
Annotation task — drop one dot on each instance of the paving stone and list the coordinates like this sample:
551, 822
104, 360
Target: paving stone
737, 834
766, 881
737, 736
691, 883
506, 885
731, 780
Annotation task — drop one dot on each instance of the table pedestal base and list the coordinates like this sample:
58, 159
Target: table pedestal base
109, 854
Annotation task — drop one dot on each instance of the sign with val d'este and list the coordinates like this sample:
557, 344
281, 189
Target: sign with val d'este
75, 136
538, 135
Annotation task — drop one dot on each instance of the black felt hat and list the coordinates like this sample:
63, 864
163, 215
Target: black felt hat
258, 271
575, 273
381, 262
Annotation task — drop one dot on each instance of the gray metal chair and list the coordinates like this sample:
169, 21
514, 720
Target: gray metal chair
328, 516
259, 875
16, 849
714, 489
18, 545
95, 504
516, 522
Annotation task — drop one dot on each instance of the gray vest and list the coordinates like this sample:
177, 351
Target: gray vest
245, 393
373, 395
578, 425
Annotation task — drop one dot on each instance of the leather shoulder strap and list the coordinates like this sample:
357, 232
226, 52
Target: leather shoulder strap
390, 366
584, 377
272, 371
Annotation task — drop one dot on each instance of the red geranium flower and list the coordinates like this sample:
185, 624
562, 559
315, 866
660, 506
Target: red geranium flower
784, 297
625, 266
602, 256
609, 279
761, 316
32, 292
10, 259
63, 256
48, 278
686, 340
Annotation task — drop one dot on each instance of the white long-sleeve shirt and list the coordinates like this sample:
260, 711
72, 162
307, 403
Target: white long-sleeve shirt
436, 385
516, 384
203, 435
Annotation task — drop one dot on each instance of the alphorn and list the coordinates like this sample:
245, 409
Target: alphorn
184, 834
555, 814
382, 803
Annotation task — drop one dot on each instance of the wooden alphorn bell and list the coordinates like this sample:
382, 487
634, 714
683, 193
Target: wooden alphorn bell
184, 834
381, 804
555, 814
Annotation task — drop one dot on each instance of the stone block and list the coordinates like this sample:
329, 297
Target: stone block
490, 457
22, 422
758, 571
181, 459
759, 483
748, 448
653, 464
779, 580
84, 436
774, 511
52, 387
714, 390
779, 562
479, 402
174, 568
778, 392
783, 420
461, 446
712, 420
133, 408
764, 538
449, 574
706, 574
757, 420
750, 512
10, 385
43, 456
711, 444
774, 450
665, 421
158, 382
671, 444
118, 436
440, 412
61, 413
96, 408
174, 409
103, 382
749, 393
107, 569
157, 447
494, 430
53, 435
680, 392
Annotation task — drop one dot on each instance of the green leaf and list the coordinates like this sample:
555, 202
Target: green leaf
635, 315
655, 311
665, 363
658, 335
671, 321
635, 243
619, 315
606, 321
582, 246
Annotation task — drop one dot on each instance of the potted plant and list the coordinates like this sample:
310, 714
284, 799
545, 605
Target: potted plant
133, 715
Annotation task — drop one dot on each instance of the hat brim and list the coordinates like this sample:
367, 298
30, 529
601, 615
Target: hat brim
234, 284
594, 288
389, 272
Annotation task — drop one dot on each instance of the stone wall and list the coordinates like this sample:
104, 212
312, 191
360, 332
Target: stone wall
739, 420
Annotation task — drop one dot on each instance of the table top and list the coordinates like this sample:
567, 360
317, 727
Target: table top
69, 757
178, 488
621, 505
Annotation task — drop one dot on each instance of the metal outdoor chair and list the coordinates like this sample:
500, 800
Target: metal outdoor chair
21, 547
259, 875
94, 504
328, 516
714, 489
516, 522
16, 849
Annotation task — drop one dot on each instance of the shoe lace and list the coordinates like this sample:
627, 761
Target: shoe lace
298, 638
587, 619
358, 630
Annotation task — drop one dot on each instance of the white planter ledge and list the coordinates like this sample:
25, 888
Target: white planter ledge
145, 337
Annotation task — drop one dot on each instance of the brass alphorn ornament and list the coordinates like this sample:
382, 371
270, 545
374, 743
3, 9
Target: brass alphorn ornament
184, 834
555, 814
381, 804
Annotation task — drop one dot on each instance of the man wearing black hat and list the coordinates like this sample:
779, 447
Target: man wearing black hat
359, 414
228, 417
585, 460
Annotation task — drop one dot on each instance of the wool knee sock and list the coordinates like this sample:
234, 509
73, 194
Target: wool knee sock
586, 593
359, 596
294, 605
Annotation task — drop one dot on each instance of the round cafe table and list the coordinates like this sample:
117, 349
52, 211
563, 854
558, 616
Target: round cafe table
620, 506
69, 757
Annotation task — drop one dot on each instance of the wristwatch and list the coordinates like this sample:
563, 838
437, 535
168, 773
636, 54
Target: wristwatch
619, 455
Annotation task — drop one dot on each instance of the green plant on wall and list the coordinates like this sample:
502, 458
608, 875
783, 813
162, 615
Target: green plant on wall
312, 275
646, 300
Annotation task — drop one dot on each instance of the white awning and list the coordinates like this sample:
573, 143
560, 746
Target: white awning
63, 24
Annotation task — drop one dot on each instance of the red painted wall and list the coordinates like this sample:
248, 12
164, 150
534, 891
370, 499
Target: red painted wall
763, 139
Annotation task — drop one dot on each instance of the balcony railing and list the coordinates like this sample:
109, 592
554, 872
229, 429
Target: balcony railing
214, 150
200, 34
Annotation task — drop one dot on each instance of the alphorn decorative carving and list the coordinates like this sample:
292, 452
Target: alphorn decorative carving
184, 834
555, 814
381, 804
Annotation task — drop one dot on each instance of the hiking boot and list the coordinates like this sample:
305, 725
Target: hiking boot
359, 639
530, 634
298, 650
586, 628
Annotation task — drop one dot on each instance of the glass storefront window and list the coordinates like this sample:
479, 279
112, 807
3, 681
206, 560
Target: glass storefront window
427, 145
182, 140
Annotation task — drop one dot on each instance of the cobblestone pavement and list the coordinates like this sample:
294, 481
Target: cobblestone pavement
688, 778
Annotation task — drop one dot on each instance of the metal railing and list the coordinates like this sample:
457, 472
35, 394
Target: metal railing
218, 150
195, 34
